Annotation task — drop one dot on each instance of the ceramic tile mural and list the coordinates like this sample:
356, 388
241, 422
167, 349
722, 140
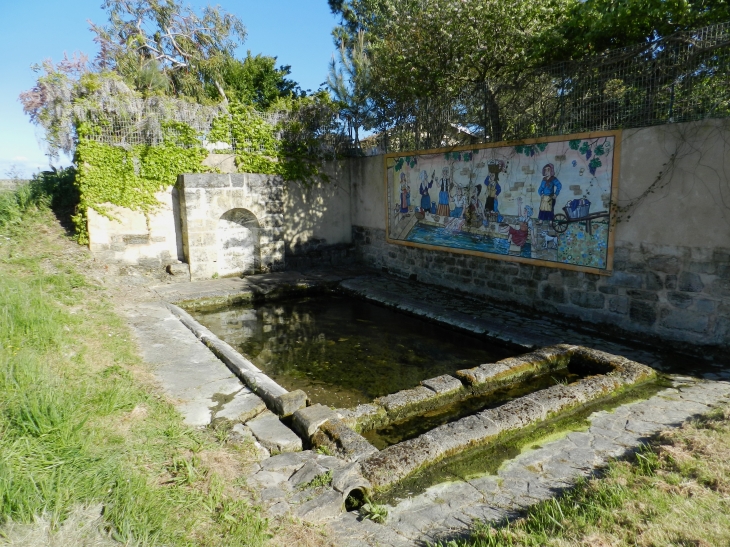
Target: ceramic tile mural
545, 201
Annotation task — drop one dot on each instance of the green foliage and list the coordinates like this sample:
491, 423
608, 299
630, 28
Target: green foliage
130, 178
325, 479
594, 26
373, 511
53, 189
256, 81
148, 41
66, 388
288, 148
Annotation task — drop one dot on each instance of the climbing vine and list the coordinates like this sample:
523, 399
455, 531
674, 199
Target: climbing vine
286, 147
130, 176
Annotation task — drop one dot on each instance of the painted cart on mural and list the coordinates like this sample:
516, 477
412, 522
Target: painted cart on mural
577, 210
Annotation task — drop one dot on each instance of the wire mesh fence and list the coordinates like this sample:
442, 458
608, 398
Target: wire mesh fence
679, 78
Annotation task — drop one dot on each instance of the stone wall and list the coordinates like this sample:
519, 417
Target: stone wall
671, 276
131, 237
211, 203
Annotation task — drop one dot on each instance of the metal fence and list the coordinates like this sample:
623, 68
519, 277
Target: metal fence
679, 78
683, 77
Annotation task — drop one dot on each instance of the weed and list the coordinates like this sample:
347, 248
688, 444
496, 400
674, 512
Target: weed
323, 479
324, 450
373, 511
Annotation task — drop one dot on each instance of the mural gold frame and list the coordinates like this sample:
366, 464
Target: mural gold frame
389, 162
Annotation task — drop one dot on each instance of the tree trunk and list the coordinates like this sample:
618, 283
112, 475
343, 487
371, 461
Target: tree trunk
492, 110
219, 87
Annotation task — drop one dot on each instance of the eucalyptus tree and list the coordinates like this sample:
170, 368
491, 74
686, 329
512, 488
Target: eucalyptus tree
190, 49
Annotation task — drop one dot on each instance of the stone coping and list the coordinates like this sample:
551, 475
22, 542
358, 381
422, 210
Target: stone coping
442, 390
390, 465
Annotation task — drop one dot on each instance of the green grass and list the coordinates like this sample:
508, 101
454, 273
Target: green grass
675, 491
80, 423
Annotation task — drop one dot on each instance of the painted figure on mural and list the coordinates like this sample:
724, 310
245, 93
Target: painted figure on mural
459, 202
549, 190
423, 190
474, 211
523, 233
443, 208
405, 194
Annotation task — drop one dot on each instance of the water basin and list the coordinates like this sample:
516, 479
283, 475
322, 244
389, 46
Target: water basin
343, 351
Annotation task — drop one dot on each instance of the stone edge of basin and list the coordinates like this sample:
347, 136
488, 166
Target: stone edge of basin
394, 463
250, 289
446, 389
284, 403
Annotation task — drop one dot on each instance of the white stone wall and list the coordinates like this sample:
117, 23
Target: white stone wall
131, 237
207, 198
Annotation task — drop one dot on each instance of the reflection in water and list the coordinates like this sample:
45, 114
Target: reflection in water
343, 351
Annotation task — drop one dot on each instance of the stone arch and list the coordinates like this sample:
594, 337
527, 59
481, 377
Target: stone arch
238, 243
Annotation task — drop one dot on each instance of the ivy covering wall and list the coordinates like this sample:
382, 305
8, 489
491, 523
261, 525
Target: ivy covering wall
130, 176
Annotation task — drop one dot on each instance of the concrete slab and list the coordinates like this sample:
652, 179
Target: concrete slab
186, 370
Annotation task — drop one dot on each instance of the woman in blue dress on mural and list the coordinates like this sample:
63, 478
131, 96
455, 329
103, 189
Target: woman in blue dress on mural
423, 190
443, 208
549, 189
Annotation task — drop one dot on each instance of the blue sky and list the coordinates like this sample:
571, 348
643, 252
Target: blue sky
296, 31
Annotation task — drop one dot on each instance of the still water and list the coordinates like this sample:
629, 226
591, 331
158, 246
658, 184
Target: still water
343, 351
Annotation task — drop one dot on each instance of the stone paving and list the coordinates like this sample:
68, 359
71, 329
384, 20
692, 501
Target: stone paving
447, 511
314, 486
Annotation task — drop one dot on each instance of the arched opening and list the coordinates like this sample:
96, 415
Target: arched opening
238, 243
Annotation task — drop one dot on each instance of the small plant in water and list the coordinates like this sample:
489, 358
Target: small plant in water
373, 511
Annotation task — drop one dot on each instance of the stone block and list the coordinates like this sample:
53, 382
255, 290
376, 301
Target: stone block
342, 441
326, 506
639, 294
684, 320
288, 403
405, 402
587, 299
244, 406
274, 435
666, 264
308, 472
307, 420
443, 384
653, 281
287, 463
619, 304
553, 293
643, 313
690, 282
670, 282
705, 306
627, 280
679, 299
363, 417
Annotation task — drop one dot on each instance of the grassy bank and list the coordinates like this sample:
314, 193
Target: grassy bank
80, 423
674, 492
